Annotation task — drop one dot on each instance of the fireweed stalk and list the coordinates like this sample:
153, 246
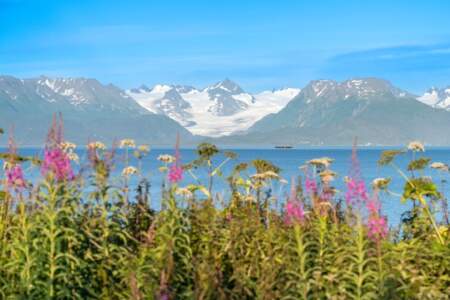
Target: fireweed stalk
176, 171
377, 224
56, 164
13, 170
14, 182
14, 177
356, 194
294, 213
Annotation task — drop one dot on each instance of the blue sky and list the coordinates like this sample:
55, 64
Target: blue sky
259, 44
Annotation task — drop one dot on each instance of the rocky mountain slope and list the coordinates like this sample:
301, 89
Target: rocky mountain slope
90, 110
324, 112
327, 112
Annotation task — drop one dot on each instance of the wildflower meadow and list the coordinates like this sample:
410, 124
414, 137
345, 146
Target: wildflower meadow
77, 232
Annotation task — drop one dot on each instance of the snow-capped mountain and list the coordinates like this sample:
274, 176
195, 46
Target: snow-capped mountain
90, 110
438, 98
68, 94
323, 112
228, 98
220, 109
361, 88
164, 100
333, 113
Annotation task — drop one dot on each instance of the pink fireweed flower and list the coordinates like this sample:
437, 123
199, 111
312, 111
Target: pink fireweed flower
310, 186
294, 213
356, 192
57, 163
14, 177
376, 224
377, 227
176, 171
327, 194
356, 188
373, 206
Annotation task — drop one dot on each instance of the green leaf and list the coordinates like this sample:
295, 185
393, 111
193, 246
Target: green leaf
262, 166
419, 164
15, 157
388, 156
230, 154
206, 151
240, 167
417, 188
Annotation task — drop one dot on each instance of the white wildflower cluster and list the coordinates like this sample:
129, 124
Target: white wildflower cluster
67, 146
73, 157
166, 158
141, 151
327, 176
185, 192
97, 145
380, 183
127, 143
440, 166
7, 165
321, 162
144, 148
130, 170
416, 146
265, 175
69, 149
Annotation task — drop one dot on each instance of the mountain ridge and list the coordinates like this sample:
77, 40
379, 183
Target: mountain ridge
330, 112
324, 112
90, 110
222, 108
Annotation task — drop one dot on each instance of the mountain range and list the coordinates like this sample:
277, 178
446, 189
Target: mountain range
327, 112
90, 110
221, 109
324, 112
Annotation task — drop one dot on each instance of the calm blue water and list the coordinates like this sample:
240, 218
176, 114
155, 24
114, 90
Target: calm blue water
289, 161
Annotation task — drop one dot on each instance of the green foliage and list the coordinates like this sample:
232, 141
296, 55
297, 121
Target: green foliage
12, 157
83, 239
417, 188
262, 166
388, 156
419, 164
207, 151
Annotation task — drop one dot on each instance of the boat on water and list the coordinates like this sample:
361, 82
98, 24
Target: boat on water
283, 147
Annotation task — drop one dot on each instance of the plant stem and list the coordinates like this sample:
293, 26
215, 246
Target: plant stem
430, 216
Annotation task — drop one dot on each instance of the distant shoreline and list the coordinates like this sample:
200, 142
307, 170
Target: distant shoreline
255, 147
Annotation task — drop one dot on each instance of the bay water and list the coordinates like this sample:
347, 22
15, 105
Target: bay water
288, 160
